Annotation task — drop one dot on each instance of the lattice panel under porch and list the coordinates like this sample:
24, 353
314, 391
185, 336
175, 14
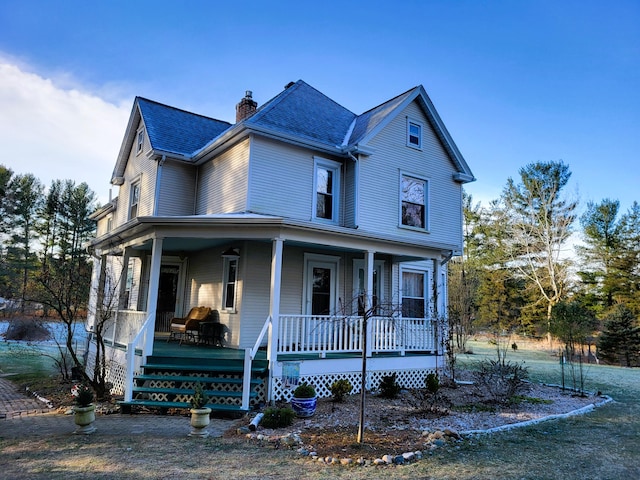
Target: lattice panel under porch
115, 374
322, 383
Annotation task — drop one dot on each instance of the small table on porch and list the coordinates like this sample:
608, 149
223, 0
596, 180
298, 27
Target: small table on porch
211, 333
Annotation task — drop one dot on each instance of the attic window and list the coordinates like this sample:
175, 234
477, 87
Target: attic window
414, 134
140, 141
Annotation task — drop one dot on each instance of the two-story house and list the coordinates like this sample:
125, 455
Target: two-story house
315, 234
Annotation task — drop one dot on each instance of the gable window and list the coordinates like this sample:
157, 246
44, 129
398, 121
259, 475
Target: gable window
413, 196
230, 282
134, 199
327, 190
414, 134
414, 294
140, 141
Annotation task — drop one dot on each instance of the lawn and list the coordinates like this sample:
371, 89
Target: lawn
603, 444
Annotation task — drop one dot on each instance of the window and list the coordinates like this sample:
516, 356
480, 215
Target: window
109, 223
414, 194
140, 141
134, 199
414, 134
230, 281
414, 290
327, 190
359, 283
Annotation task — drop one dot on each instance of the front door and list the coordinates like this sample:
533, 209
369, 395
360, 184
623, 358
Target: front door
320, 297
167, 295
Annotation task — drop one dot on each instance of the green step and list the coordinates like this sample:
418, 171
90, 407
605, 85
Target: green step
201, 368
187, 378
187, 391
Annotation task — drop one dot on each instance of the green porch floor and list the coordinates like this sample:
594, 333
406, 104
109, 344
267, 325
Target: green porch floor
173, 349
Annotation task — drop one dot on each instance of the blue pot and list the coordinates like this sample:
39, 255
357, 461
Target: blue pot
304, 407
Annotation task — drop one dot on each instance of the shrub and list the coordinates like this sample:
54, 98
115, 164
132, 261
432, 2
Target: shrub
84, 395
277, 417
389, 388
433, 383
199, 399
500, 381
340, 388
304, 390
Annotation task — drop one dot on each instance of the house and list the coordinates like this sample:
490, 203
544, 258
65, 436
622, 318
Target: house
314, 233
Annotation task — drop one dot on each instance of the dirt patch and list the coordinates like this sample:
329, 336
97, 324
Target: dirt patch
413, 422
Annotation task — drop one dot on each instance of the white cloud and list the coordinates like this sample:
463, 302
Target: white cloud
58, 133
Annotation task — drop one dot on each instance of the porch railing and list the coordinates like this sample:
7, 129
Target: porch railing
144, 340
299, 334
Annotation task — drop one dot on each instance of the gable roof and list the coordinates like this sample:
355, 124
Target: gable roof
173, 130
299, 114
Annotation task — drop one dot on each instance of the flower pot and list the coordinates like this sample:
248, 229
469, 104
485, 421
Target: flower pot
304, 407
84, 418
199, 421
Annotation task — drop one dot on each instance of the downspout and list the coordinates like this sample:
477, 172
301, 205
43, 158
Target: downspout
156, 196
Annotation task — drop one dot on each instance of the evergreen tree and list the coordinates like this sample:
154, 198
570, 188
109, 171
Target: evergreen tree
619, 341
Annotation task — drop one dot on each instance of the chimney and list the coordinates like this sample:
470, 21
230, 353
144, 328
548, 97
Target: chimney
246, 107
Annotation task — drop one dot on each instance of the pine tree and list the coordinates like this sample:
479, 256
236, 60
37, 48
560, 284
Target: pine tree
619, 341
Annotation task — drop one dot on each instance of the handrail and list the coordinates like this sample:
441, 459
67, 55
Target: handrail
131, 356
249, 355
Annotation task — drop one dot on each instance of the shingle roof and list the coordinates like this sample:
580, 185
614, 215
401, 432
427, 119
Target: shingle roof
303, 111
177, 131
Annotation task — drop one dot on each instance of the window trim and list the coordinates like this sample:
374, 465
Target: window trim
411, 122
336, 168
140, 141
427, 201
136, 184
226, 283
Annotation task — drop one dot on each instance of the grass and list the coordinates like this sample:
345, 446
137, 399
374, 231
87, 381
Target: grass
602, 444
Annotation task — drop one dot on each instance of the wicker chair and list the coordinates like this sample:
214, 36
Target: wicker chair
187, 327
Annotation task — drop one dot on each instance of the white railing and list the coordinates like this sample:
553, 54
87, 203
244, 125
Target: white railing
299, 334
249, 355
144, 340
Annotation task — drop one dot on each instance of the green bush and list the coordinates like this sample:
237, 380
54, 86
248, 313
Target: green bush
340, 388
277, 417
199, 398
304, 390
84, 396
389, 388
433, 383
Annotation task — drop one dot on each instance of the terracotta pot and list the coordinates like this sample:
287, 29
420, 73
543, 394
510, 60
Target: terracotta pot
304, 407
199, 421
84, 418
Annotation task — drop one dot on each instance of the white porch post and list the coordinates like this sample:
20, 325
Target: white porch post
94, 293
368, 296
152, 296
274, 310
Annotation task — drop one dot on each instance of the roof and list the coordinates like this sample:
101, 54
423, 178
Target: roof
177, 131
299, 114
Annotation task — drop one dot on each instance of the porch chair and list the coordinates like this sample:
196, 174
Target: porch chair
187, 327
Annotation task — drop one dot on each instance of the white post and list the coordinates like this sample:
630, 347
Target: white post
368, 294
152, 296
274, 310
246, 381
131, 365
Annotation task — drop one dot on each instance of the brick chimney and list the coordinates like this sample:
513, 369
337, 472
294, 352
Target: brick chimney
246, 107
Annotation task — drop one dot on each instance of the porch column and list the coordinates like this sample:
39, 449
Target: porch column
152, 296
274, 309
368, 297
95, 293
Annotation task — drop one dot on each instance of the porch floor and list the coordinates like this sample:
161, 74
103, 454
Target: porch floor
188, 350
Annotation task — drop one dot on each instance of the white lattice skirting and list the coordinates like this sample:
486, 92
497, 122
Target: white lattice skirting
322, 383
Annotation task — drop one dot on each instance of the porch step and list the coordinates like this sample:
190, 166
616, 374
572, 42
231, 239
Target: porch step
169, 382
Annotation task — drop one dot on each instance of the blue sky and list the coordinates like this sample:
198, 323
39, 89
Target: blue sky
515, 81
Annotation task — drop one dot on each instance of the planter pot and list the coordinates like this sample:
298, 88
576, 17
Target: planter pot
304, 407
84, 418
199, 421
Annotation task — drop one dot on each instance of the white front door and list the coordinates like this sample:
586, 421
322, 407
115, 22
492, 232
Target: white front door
320, 293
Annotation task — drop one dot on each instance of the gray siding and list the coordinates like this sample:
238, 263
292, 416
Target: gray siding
177, 189
380, 180
223, 182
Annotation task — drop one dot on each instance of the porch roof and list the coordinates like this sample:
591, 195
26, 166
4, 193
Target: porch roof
197, 232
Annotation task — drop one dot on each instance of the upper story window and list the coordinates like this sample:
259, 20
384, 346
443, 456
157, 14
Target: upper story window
140, 141
134, 200
109, 223
327, 190
414, 134
414, 192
